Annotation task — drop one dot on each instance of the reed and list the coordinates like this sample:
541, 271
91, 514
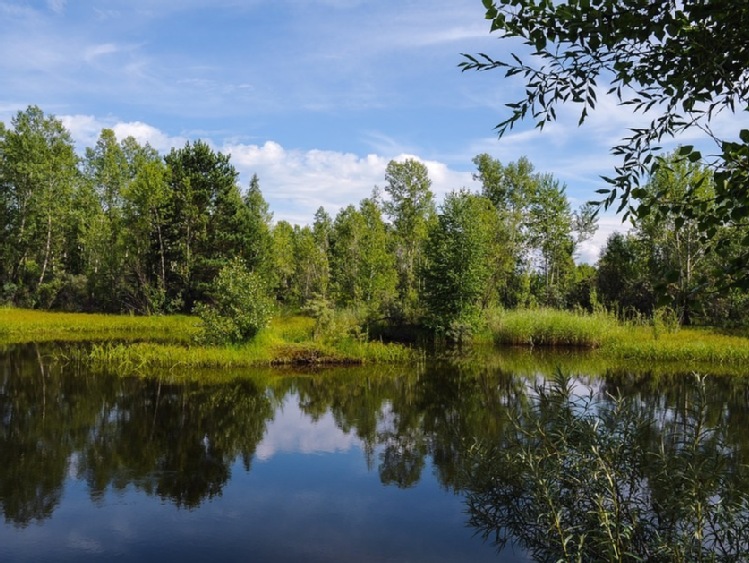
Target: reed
690, 345
551, 327
617, 342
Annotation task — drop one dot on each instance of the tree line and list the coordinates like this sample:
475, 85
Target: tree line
125, 229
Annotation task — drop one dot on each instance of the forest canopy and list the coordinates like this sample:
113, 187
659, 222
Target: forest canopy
119, 227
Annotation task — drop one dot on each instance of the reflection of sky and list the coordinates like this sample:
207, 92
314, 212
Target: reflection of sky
293, 431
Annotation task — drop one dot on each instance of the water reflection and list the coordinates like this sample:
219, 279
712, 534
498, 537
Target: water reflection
180, 442
604, 478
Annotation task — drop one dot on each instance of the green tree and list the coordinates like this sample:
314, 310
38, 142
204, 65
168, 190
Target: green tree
283, 262
39, 178
682, 61
377, 272
239, 306
678, 254
257, 246
363, 273
550, 234
410, 207
310, 277
624, 283
458, 265
106, 169
202, 220
346, 250
510, 188
145, 212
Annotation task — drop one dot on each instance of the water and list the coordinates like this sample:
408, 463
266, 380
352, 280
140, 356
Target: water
339, 465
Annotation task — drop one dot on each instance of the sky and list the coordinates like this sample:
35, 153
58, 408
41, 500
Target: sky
313, 96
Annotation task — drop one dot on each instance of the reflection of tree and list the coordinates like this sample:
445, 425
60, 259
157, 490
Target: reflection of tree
43, 420
412, 415
175, 441
586, 480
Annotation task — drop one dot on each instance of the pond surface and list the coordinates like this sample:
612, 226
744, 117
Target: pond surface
338, 465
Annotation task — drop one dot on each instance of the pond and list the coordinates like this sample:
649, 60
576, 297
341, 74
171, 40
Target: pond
354, 464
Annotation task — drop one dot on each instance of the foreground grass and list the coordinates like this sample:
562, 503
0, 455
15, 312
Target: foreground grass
612, 340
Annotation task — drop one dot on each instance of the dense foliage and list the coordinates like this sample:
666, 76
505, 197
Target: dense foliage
124, 229
679, 63
239, 308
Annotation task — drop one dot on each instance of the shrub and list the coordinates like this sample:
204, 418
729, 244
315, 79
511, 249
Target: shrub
241, 306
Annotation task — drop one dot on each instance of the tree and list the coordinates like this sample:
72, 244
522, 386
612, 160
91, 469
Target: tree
458, 265
202, 220
310, 277
283, 261
624, 282
346, 249
678, 254
550, 234
684, 61
39, 178
410, 207
256, 248
510, 188
145, 201
239, 308
378, 275
106, 169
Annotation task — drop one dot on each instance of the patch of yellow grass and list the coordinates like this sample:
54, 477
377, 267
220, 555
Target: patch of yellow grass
24, 325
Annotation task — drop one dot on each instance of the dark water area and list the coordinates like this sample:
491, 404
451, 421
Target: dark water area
354, 464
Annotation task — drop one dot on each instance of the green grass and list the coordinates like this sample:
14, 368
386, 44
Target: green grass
129, 344
550, 327
614, 341
24, 325
138, 344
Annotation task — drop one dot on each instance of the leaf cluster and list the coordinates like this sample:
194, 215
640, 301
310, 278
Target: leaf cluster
678, 62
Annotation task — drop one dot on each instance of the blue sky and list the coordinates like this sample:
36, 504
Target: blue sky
315, 96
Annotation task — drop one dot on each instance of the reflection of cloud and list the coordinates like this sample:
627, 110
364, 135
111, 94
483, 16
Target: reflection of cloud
293, 431
82, 543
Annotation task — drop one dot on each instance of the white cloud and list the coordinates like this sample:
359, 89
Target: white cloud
296, 182
57, 6
145, 133
590, 250
85, 130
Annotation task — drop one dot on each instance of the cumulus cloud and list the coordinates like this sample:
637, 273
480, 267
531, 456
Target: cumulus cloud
145, 133
296, 182
85, 130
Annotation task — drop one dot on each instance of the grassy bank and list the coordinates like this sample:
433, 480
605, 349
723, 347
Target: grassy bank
612, 340
132, 344
137, 344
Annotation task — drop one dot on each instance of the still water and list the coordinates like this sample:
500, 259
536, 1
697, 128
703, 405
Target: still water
338, 465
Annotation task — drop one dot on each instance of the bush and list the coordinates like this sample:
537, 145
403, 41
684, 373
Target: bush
241, 306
